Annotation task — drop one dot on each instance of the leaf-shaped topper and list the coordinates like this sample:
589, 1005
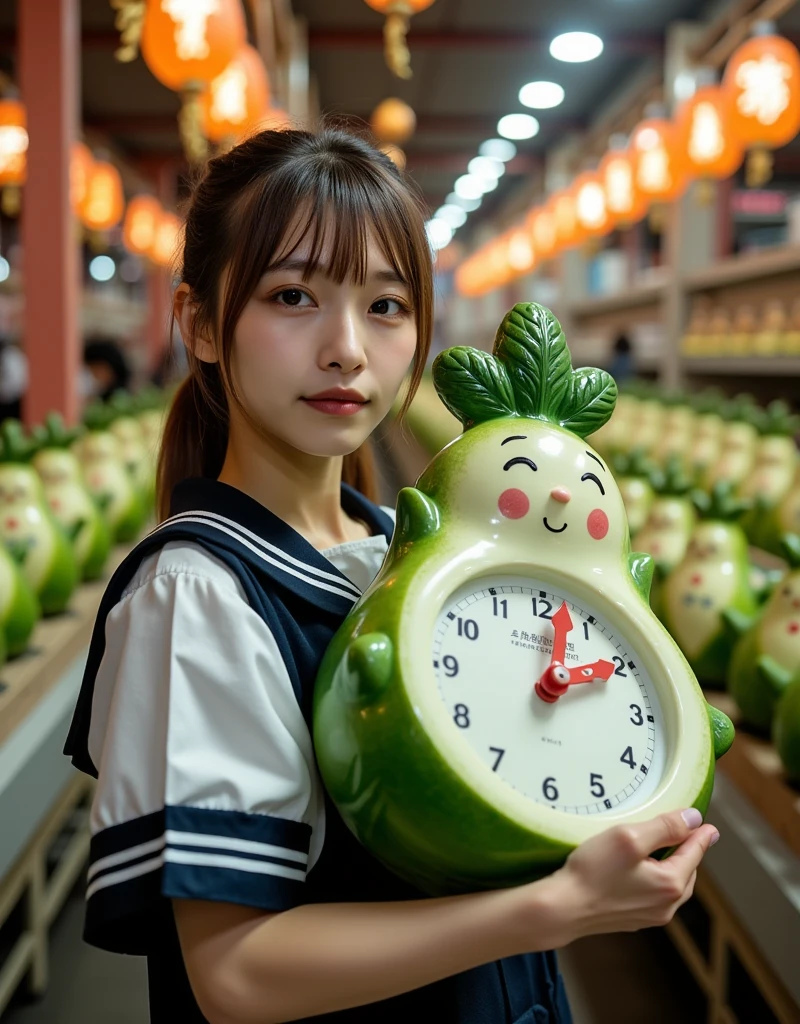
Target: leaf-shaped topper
529, 373
98, 415
15, 446
672, 479
634, 463
722, 503
54, 433
778, 419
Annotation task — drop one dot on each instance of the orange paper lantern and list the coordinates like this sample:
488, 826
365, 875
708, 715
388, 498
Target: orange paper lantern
591, 210
13, 142
191, 41
236, 99
398, 13
142, 218
660, 168
104, 203
80, 167
166, 239
762, 83
393, 121
617, 172
569, 232
520, 252
542, 227
705, 135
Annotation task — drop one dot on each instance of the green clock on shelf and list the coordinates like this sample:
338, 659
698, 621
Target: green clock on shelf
502, 691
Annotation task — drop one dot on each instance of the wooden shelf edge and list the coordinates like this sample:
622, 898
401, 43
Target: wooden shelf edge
630, 298
751, 366
753, 766
748, 267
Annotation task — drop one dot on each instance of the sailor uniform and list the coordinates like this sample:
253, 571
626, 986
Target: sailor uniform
195, 717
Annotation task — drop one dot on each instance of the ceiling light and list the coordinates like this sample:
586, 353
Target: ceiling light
102, 268
576, 47
439, 233
488, 184
469, 187
454, 199
486, 167
498, 149
455, 216
541, 95
5, 268
518, 126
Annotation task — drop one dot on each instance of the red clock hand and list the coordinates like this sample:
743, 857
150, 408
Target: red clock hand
601, 669
557, 678
562, 624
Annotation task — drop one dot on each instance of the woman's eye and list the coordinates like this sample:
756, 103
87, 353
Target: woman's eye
292, 297
386, 307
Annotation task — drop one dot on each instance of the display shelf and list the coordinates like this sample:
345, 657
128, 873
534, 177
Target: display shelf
748, 267
649, 294
745, 366
55, 644
754, 767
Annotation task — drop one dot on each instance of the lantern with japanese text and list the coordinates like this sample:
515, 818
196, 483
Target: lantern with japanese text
104, 202
237, 98
393, 121
762, 85
617, 173
711, 147
186, 44
166, 239
591, 209
80, 167
142, 219
398, 14
659, 166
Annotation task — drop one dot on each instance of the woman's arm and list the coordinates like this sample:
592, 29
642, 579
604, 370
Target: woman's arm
246, 967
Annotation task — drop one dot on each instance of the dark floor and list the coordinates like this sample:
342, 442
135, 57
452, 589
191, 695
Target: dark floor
616, 979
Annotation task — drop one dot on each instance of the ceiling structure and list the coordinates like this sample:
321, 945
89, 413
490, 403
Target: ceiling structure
470, 58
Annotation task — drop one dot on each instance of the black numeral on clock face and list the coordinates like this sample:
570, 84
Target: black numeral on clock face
468, 628
586, 631
461, 716
627, 757
450, 665
620, 663
542, 608
596, 782
499, 606
549, 789
638, 717
499, 752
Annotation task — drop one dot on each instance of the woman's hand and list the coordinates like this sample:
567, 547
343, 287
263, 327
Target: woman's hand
612, 884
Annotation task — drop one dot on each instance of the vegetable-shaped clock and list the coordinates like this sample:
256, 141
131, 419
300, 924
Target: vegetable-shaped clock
767, 653
678, 429
713, 578
672, 517
27, 527
786, 729
68, 498
127, 429
502, 690
634, 473
738, 447
773, 475
19, 609
706, 445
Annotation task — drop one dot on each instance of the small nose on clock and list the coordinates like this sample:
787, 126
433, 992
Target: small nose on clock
560, 494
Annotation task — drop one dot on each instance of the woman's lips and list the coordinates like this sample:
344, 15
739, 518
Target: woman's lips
335, 406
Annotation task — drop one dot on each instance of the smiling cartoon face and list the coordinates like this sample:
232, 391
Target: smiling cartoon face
99, 446
57, 466
19, 486
534, 482
666, 533
779, 628
737, 454
774, 469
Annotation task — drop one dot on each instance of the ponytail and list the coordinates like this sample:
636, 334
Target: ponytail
195, 435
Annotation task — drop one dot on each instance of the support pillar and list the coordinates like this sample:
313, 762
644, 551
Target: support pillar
49, 52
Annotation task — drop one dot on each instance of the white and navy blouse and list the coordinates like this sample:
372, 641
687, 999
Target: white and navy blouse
195, 717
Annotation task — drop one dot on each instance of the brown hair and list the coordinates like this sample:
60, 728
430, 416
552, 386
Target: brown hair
238, 217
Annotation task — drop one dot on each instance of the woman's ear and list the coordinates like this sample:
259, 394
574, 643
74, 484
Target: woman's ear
185, 310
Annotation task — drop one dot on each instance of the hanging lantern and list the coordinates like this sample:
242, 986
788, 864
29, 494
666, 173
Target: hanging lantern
395, 154
236, 99
166, 239
398, 13
660, 171
80, 167
393, 121
142, 219
542, 226
762, 85
186, 44
591, 210
704, 134
13, 142
569, 232
520, 252
625, 203
104, 203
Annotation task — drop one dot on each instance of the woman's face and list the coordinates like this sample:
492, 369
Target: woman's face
318, 364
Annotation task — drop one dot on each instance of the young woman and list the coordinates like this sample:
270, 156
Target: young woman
305, 299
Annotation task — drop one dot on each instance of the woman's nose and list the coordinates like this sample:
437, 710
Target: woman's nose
560, 494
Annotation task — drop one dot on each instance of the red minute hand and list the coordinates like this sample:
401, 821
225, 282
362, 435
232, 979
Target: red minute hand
562, 624
588, 673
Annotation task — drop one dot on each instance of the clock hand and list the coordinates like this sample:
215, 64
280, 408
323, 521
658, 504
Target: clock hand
557, 679
562, 624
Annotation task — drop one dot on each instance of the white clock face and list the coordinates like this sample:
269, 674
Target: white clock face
584, 747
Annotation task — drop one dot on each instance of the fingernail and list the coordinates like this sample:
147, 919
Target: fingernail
692, 817
714, 839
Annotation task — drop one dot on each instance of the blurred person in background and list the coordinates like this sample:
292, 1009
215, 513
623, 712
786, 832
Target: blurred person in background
13, 379
108, 367
622, 367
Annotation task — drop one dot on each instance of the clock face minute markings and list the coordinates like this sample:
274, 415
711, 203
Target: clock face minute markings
583, 749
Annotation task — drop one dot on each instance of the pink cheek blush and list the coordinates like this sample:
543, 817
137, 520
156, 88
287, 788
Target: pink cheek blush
513, 503
597, 524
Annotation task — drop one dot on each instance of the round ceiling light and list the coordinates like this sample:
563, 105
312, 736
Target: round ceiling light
518, 126
455, 216
469, 187
541, 95
486, 167
454, 199
498, 149
439, 233
576, 47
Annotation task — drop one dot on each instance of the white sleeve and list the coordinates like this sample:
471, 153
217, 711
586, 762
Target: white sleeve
207, 783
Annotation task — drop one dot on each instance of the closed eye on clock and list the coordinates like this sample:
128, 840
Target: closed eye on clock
591, 476
521, 461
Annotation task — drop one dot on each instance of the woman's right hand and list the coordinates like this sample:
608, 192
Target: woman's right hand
611, 883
